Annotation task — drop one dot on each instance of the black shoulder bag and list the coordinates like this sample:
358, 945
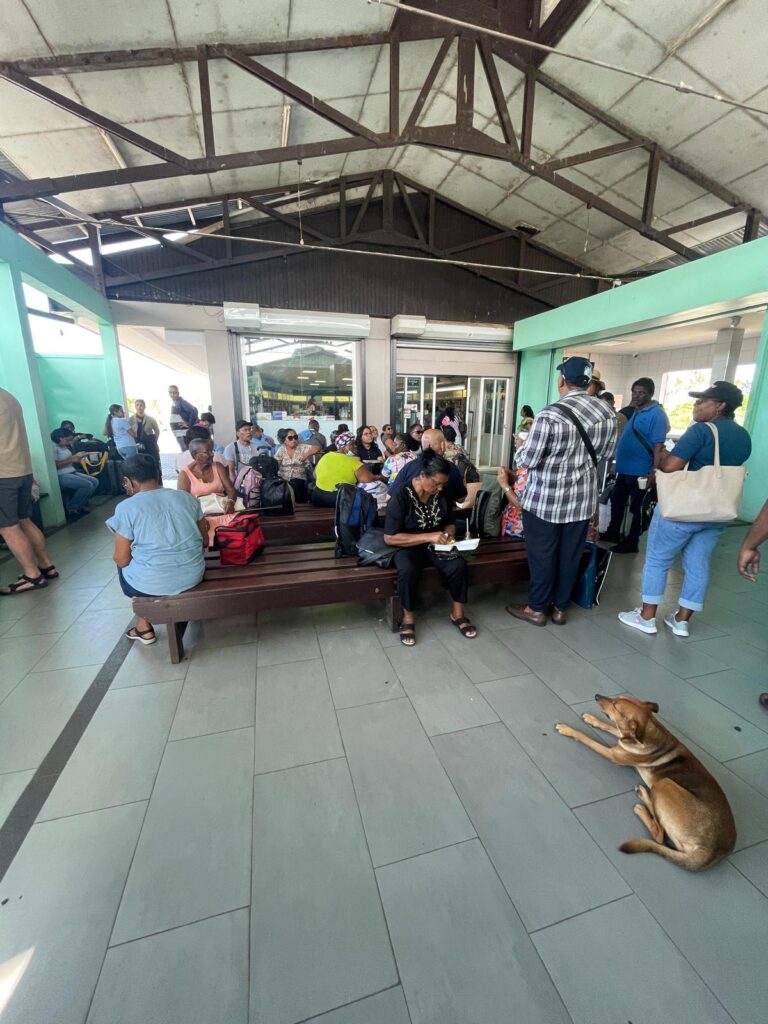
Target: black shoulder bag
640, 437
571, 415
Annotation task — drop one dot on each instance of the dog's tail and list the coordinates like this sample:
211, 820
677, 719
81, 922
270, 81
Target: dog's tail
690, 861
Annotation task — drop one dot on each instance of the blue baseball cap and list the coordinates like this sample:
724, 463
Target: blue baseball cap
576, 370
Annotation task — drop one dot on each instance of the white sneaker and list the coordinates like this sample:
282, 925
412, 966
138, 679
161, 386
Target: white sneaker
678, 628
635, 619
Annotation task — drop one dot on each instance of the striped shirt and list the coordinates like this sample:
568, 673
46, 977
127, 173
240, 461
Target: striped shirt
562, 479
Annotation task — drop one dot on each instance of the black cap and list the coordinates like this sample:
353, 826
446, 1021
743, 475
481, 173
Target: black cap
722, 391
576, 370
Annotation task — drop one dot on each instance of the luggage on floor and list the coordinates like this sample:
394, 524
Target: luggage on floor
356, 512
586, 592
240, 540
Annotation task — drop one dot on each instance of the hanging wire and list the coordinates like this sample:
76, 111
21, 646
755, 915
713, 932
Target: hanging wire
593, 61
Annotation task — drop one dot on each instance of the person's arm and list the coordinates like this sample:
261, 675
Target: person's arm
70, 460
685, 449
534, 448
202, 525
122, 555
748, 562
182, 483
459, 487
229, 490
311, 449
363, 475
394, 527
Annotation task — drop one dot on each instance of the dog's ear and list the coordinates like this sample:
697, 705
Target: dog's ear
654, 707
629, 733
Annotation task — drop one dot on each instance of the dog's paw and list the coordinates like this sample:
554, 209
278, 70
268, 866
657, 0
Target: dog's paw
564, 730
590, 719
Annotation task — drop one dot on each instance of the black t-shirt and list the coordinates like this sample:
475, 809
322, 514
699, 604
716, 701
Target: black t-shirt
406, 514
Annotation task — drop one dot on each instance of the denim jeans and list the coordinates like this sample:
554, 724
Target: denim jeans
77, 489
128, 451
695, 543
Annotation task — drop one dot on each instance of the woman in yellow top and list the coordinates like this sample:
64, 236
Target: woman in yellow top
338, 468
526, 419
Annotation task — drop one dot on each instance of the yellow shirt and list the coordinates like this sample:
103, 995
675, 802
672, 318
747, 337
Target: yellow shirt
336, 468
16, 459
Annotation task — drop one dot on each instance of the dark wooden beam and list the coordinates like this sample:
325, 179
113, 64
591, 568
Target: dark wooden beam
97, 267
651, 180
497, 93
752, 225
402, 189
594, 154
394, 86
465, 85
529, 95
698, 221
226, 227
209, 144
429, 81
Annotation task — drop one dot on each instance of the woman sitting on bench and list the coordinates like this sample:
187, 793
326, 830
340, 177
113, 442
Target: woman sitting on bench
418, 516
159, 539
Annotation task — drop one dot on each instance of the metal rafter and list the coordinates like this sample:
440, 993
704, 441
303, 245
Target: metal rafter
460, 136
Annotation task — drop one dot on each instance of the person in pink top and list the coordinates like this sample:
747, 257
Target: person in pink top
203, 478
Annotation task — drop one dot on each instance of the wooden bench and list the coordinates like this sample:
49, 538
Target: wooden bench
302, 575
308, 523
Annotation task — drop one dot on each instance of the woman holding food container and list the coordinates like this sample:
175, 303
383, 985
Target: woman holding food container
419, 522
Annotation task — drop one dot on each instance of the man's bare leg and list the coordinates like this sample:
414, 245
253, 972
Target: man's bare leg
22, 549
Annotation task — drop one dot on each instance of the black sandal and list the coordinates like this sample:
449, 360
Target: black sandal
408, 634
49, 571
24, 584
465, 627
144, 636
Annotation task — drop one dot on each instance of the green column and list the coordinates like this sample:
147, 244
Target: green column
18, 374
113, 375
756, 422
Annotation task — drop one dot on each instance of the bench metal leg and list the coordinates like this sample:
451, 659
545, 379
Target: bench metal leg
176, 641
394, 612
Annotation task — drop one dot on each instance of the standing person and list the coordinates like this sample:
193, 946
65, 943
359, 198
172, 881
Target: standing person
637, 455
145, 428
160, 539
25, 541
621, 420
695, 542
118, 429
748, 562
77, 489
293, 459
183, 416
526, 420
596, 386
313, 436
560, 494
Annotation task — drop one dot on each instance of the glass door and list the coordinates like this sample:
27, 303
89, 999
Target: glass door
414, 402
486, 420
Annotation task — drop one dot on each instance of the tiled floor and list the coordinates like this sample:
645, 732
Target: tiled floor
305, 821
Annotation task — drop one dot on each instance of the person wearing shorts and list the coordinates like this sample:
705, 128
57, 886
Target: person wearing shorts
25, 541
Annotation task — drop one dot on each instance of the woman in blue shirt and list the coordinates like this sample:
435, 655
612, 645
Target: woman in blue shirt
695, 542
160, 539
119, 430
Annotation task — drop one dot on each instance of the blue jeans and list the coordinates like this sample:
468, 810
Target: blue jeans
695, 543
76, 490
129, 450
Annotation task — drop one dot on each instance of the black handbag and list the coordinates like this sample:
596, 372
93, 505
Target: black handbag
372, 549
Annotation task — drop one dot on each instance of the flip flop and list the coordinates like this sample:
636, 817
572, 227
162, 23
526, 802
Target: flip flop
144, 636
465, 627
23, 584
408, 634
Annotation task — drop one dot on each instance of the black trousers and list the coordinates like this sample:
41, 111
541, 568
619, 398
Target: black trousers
323, 499
410, 561
626, 489
300, 491
554, 554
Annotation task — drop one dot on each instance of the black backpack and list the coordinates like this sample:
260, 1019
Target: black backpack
276, 495
356, 512
266, 466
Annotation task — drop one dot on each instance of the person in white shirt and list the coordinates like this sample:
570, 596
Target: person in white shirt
76, 488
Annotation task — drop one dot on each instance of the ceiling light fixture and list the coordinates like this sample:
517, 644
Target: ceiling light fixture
285, 125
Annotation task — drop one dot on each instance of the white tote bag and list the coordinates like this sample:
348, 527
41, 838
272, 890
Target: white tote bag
711, 494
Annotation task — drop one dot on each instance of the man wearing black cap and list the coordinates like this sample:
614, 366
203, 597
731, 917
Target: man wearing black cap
561, 453
637, 455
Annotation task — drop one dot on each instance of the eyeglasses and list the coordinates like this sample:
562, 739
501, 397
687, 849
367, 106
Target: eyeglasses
291, 437
418, 433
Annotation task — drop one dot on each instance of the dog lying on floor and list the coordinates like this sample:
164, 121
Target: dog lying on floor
679, 798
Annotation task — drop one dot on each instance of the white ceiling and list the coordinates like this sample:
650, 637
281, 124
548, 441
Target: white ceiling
708, 43
693, 332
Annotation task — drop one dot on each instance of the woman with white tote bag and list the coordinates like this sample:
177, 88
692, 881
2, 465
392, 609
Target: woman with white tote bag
699, 487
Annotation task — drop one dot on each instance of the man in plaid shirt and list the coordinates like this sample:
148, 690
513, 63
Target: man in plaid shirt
561, 491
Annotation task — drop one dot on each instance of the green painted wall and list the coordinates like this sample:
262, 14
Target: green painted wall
756, 422
52, 388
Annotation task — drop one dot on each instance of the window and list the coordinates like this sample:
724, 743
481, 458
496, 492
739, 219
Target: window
58, 334
675, 387
288, 382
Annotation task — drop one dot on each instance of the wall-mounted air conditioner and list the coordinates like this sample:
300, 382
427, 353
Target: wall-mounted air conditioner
294, 323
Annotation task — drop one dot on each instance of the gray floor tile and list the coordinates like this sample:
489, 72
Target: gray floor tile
385, 1008
753, 768
406, 800
12, 785
462, 950
56, 615
197, 974
569, 675
718, 729
737, 691
358, 669
483, 658
331, 617
62, 891
688, 659
96, 572
295, 720
280, 645
717, 919
117, 758
753, 863
35, 713
736, 654
217, 695
87, 641
193, 858
215, 633
536, 844
442, 695
389, 639
149, 664
318, 936
529, 709
18, 656
587, 958
591, 641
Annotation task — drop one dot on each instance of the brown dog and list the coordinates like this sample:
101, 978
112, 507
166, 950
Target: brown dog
679, 798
